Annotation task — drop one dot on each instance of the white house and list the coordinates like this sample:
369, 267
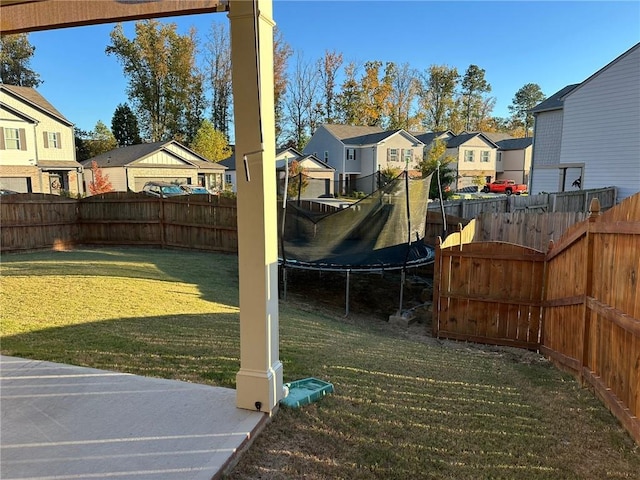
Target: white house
37, 146
588, 135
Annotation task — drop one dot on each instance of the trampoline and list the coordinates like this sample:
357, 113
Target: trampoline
383, 231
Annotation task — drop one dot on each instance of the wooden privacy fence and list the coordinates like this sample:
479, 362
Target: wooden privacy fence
579, 303
575, 201
35, 221
488, 292
534, 230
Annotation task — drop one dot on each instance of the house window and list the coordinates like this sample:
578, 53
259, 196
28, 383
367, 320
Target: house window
484, 156
227, 178
468, 155
11, 139
51, 140
326, 156
393, 155
499, 156
351, 153
407, 153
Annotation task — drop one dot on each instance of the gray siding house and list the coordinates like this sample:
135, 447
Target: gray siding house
357, 152
590, 132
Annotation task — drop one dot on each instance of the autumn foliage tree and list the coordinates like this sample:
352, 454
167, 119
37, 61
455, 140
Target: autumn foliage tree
100, 183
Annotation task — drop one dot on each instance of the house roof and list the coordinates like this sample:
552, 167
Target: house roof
342, 132
465, 137
58, 164
32, 97
515, 143
428, 137
496, 137
303, 159
120, 157
555, 101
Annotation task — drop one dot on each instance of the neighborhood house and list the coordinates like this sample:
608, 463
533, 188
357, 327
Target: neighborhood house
37, 147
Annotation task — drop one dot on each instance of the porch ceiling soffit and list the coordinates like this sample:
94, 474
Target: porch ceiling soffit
20, 16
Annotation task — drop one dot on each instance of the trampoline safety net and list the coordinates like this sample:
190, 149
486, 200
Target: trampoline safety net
382, 231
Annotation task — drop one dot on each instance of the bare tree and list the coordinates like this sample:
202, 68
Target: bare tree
404, 91
302, 101
328, 67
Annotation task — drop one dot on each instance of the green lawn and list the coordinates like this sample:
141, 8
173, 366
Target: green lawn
405, 406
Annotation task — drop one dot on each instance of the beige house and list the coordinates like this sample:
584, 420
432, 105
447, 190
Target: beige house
129, 168
476, 159
515, 156
37, 148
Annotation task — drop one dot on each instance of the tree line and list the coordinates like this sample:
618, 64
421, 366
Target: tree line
179, 87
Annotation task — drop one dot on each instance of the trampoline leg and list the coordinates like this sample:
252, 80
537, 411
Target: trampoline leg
346, 297
401, 291
284, 283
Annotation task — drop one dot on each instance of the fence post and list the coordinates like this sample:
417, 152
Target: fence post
588, 287
435, 307
161, 218
545, 292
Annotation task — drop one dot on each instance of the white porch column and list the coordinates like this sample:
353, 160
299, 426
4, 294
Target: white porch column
259, 381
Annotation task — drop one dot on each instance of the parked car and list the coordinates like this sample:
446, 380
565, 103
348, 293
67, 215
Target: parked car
505, 186
162, 189
195, 190
5, 191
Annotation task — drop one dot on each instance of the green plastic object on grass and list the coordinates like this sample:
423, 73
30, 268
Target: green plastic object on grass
302, 392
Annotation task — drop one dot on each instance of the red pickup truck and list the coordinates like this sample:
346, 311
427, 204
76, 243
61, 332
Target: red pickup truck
505, 186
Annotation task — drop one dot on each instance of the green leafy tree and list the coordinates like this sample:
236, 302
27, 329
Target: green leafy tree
350, 105
429, 164
100, 183
15, 59
525, 99
101, 140
437, 96
210, 143
124, 126
82, 138
163, 79
474, 85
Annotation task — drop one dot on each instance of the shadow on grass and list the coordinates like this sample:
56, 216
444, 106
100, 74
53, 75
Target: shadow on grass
195, 348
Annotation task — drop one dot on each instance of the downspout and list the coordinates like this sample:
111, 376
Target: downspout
533, 153
35, 141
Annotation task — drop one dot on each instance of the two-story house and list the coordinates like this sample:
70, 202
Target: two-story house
588, 135
476, 159
37, 146
358, 152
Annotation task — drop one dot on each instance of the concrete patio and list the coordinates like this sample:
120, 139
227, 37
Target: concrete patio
65, 422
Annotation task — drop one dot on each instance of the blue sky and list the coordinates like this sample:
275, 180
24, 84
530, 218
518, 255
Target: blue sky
549, 43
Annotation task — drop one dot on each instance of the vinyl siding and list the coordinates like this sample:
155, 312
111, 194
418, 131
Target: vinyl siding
602, 127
